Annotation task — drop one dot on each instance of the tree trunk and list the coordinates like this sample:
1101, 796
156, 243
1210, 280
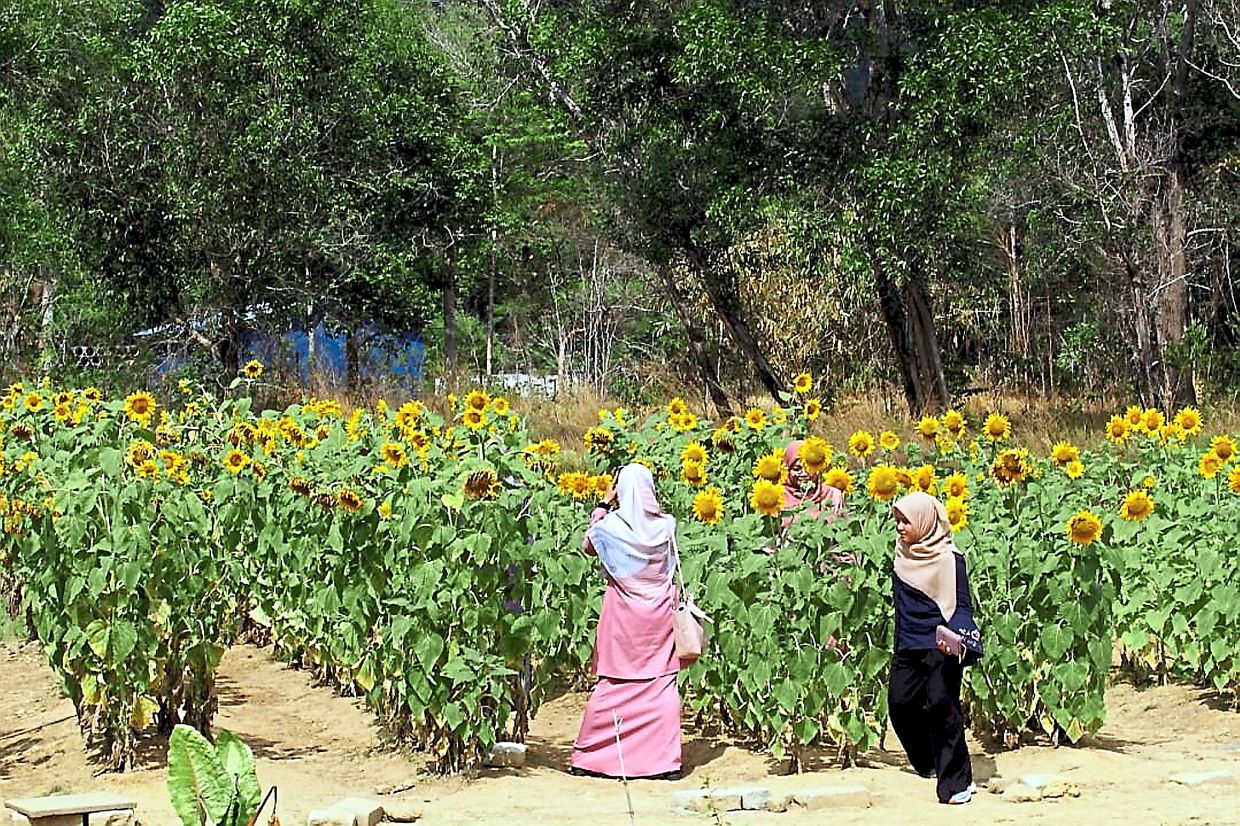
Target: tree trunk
1150, 378
1171, 298
914, 341
697, 342
449, 316
47, 302
929, 356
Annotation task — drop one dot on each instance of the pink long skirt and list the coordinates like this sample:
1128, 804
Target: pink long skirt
649, 712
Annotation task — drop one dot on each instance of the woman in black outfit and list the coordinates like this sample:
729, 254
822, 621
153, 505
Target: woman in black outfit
936, 638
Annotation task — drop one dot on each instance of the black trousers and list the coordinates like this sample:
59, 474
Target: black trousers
924, 702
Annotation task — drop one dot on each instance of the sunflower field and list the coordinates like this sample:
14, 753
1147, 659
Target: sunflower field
427, 557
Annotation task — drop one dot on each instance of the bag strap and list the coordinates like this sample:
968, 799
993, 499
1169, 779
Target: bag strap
676, 552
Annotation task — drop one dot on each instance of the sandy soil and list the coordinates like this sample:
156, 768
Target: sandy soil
319, 748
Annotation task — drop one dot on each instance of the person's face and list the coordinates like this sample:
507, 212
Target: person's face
904, 528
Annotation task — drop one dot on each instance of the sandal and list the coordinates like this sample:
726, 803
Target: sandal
962, 797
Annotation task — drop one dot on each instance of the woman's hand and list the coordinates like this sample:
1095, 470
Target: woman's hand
609, 498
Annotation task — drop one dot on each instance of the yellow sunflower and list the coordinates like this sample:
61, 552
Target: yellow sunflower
1117, 429
252, 369
767, 497
1011, 466
957, 512
803, 383
1137, 506
771, 468
474, 419
407, 415
33, 402
813, 409
483, 484
684, 422
1074, 469
1064, 452
723, 439
1152, 421
139, 407
677, 406
956, 486
1233, 479
1189, 420
92, 395
477, 400
603, 483
1224, 447
694, 473
889, 441
840, 479
953, 422
996, 428
924, 479
755, 419
883, 484
1133, 414
394, 454
385, 510
815, 454
694, 452
1171, 431
350, 500
501, 406
1210, 464
1084, 528
708, 506
928, 428
861, 444
236, 461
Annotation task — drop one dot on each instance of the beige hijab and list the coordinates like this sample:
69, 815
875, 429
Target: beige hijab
928, 562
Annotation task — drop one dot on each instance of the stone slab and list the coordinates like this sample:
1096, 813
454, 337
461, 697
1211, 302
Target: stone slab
365, 812
401, 812
69, 804
329, 817
505, 755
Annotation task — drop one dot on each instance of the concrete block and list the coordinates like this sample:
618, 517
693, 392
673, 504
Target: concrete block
121, 818
399, 811
741, 798
18, 820
365, 812
329, 817
1201, 778
506, 756
830, 797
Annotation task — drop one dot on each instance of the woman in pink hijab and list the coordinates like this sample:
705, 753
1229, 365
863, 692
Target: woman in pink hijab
805, 494
634, 652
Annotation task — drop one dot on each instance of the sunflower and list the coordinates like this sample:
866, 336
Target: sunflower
33, 401
904, 477
767, 497
1224, 447
723, 439
815, 454
1137, 506
1117, 429
575, 484
1133, 414
957, 512
996, 428
139, 407
598, 439
889, 441
861, 444
407, 415
1152, 421
840, 479
708, 506
1084, 528
1210, 464
385, 510
148, 469
139, 451
394, 454
953, 422
477, 400
64, 397
755, 419
602, 483
1189, 420
924, 479
694, 473
883, 483
1011, 466
93, 395
1171, 431
418, 440
350, 500
694, 452
300, 485
684, 422
1233, 479
547, 447
236, 461
813, 409
803, 383
677, 406
1064, 452
771, 468
1074, 469
731, 424
252, 369
956, 486
258, 470
474, 419
501, 406
484, 484
928, 428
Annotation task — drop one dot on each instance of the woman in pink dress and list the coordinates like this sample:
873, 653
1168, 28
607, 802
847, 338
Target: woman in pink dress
631, 726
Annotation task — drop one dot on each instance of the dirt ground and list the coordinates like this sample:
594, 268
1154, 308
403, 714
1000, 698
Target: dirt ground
319, 748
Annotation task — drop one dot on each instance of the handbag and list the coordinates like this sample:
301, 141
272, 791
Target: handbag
687, 628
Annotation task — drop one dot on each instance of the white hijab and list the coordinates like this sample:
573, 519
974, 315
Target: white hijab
634, 541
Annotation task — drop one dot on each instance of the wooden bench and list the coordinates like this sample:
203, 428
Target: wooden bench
69, 809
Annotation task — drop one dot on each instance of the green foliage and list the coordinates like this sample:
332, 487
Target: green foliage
211, 785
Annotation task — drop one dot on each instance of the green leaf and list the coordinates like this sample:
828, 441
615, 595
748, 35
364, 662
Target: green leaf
237, 758
198, 784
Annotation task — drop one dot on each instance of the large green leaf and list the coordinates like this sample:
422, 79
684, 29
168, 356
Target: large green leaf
201, 789
238, 760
